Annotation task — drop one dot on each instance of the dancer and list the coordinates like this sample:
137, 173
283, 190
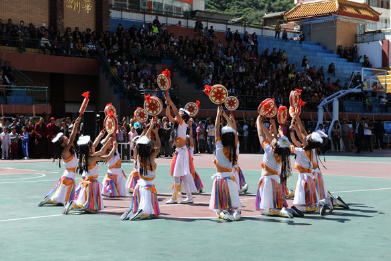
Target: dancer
194, 181
306, 197
180, 165
276, 170
114, 181
145, 203
88, 198
64, 190
225, 195
318, 176
134, 174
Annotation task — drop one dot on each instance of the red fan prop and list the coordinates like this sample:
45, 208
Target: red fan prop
110, 107
141, 115
83, 107
267, 108
296, 111
232, 103
193, 108
294, 99
282, 116
111, 123
164, 81
153, 105
218, 94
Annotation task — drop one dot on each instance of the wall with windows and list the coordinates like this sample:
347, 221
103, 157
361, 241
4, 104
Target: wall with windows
172, 6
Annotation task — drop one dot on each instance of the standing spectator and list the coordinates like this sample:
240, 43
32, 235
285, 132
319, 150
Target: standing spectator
305, 63
201, 137
252, 135
167, 141
211, 32
229, 36
40, 139
277, 29
368, 127
210, 129
379, 133
52, 130
14, 137
245, 136
359, 133
7, 71
198, 26
336, 135
25, 142
237, 37
5, 142
301, 37
331, 69
345, 136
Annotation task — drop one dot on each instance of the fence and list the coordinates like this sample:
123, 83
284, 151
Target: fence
52, 47
23, 95
137, 13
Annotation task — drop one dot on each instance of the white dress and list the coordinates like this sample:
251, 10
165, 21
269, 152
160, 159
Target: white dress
114, 181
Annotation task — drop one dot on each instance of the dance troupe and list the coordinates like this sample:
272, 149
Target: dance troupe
310, 194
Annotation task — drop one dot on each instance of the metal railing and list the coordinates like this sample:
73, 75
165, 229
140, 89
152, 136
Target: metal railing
58, 48
138, 13
370, 37
113, 78
23, 95
18, 75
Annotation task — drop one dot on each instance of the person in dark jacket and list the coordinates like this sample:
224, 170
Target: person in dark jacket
359, 134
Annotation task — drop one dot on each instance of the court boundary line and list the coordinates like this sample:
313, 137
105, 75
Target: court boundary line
1, 181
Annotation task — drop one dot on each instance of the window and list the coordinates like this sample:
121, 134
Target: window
381, 4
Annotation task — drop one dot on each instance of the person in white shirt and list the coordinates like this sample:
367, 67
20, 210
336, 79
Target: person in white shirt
5, 142
368, 135
210, 129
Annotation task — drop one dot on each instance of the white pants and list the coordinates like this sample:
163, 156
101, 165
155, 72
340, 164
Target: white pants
4, 150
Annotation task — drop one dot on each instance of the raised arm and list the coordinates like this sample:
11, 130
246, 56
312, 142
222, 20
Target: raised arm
300, 125
269, 137
73, 134
273, 127
168, 112
103, 150
148, 133
260, 131
108, 156
97, 139
191, 133
174, 108
293, 137
157, 144
217, 122
230, 120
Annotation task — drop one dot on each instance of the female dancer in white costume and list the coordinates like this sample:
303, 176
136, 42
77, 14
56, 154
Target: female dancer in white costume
145, 202
180, 164
115, 179
225, 194
88, 198
64, 190
306, 196
276, 169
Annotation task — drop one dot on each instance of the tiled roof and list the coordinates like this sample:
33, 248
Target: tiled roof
332, 7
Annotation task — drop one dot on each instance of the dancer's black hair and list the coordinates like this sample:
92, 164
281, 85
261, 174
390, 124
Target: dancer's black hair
83, 158
144, 151
284, 154
326, 146
311, 144
228, 140
59, 149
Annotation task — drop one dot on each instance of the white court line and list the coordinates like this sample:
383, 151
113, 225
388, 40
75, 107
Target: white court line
42, 175
348, 191
29, 170
54, 180
16, 219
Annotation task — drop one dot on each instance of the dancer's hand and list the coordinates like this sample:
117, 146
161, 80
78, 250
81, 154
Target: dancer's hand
168, 100
219, 110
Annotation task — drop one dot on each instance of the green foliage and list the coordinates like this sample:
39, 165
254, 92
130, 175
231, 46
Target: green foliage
252, 10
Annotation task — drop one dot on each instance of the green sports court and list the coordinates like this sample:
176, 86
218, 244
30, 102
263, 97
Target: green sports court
193, 232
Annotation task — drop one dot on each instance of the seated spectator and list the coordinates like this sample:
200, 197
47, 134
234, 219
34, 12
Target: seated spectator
331, 69
45, 44
368, 104
301, 37
320, 72
179, 24
285, 35
212, 33
8, 76
361, 60
366, 62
